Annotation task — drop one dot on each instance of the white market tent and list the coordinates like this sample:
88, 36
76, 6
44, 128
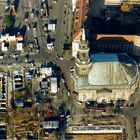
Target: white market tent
51, 27
53, 87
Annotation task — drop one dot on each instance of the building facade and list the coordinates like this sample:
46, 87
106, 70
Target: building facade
117, 43
119, 2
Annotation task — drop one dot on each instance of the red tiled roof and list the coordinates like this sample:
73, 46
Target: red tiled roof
80, 16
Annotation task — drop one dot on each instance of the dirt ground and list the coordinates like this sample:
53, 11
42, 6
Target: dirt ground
98, 137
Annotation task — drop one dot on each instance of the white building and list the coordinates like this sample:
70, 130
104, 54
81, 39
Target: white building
76, 42
53, 87
50, 46
97, 129
51, 27
104, 76
47, 71
8, 38
73, 5
3, 47
75, 48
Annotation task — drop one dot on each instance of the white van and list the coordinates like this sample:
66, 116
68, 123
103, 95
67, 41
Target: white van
1, 56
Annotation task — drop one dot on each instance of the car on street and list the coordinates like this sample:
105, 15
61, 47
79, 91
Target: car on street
90, 104
68, 92
134, 120
26, 60
15, 55
37, 50
61, 58
28, 27
72, 69
32, 15
1, 56
68, 114
79, 102
63, 80
61, 113
36, 41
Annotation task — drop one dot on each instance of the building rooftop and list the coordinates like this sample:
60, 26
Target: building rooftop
119, 2
99, 129
80, 17
50, 125
109, 69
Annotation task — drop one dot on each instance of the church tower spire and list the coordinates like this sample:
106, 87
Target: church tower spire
83, 61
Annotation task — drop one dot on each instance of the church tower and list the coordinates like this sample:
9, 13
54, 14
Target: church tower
83, 61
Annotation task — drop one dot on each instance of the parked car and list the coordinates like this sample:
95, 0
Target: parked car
134, 120
62, 80
28, 27
61, 112
68, 92
15, 55
79, 102
68, 114
1, 56
36, 41
61, 58
72, 69
38, 50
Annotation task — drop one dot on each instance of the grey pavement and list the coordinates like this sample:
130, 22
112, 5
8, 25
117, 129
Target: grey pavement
130, 113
